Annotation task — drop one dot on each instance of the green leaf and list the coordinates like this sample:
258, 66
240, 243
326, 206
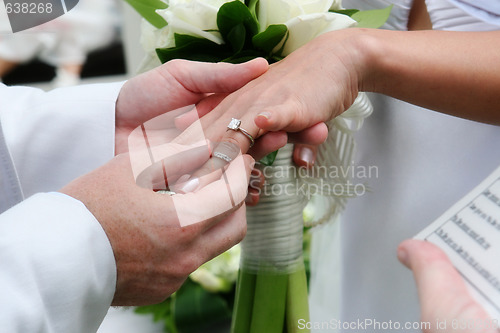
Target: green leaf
279, 54
372, 18
233, 14
170, 325
195, 308
268, 160
268, 39
348, 12
193, 48
236, 37
147, 9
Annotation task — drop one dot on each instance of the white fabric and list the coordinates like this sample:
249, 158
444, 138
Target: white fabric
58, 272
426, 161
446, 16
125, 320
10, 191
485, 10
56, 136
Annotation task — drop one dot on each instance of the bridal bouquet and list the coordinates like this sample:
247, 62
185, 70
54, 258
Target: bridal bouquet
271, 294
237, 31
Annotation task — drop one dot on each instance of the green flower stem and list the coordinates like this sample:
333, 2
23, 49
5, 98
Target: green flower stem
268, 313
242, 314
297, 305
266, 301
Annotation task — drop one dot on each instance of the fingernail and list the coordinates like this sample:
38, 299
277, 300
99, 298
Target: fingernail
191, 185
252, 164
252, 199
403, 257
254, 182
248, 199
264, 114
306, 155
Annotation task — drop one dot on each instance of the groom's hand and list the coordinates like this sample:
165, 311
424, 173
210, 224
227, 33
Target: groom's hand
155, 249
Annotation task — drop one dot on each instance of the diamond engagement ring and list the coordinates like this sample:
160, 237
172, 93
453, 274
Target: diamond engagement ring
234, 125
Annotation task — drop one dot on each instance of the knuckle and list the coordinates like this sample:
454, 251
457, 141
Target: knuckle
186, 265
188, 234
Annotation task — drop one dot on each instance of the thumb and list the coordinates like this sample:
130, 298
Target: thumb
442, 292
221, 77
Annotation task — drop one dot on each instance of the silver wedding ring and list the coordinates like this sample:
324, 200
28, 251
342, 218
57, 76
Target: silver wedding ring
222, 156
234, 125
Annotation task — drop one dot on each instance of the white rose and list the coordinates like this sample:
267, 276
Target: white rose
153, 38
280, 11
305, 28
193, 17
189, 17
305, 19
220, 273
336, 5
210, 281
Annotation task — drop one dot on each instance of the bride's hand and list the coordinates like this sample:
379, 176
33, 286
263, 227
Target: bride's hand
310, 86
173, 85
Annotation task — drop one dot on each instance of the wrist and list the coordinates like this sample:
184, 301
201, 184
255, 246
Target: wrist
368, 49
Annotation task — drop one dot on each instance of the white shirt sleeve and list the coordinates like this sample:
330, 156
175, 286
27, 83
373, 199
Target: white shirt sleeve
57, 268
58, 272
54, 137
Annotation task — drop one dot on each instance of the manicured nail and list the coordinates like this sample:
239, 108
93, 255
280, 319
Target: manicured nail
191, 185
403, 257
265, 114
252, 164
306, 155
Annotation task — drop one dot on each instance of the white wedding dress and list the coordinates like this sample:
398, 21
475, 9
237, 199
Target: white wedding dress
426, 161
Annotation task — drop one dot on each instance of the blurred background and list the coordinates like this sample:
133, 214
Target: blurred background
97, 41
